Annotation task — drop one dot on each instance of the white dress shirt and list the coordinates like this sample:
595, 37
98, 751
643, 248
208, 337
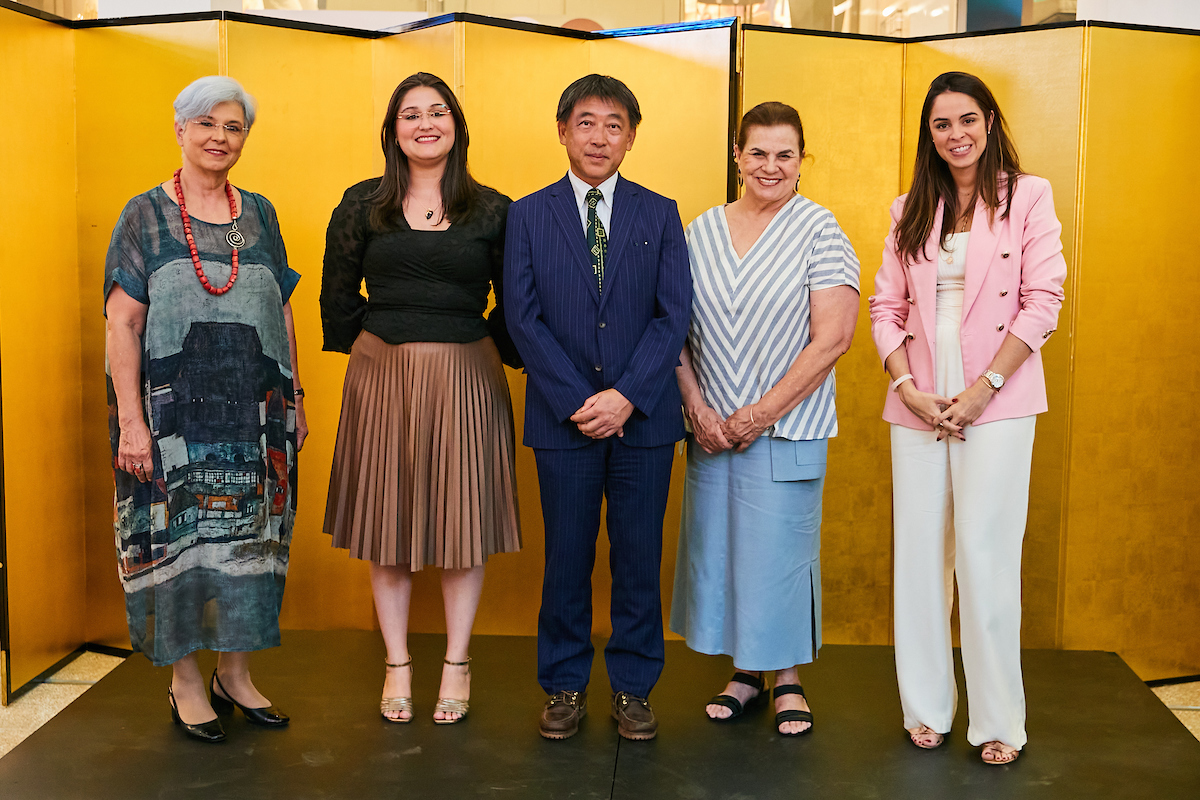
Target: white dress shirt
603, 208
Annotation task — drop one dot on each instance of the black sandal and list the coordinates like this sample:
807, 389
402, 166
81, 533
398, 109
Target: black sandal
792, 714
735, 705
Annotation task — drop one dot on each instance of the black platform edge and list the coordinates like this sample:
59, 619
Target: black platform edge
1172, 681
108, 650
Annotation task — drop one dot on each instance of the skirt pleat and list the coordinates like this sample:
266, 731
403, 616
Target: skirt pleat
424, 466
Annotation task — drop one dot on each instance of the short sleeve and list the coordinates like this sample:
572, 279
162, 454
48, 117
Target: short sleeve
833, 261
125, 263
287, 277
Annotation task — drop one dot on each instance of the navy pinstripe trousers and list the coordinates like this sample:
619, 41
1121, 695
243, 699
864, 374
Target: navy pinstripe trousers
635, 481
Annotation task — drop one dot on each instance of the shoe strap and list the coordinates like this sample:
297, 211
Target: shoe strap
396, 666
789, 688
456, 663
749, 680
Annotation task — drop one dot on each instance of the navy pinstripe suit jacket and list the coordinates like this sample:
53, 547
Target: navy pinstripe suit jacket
576, 342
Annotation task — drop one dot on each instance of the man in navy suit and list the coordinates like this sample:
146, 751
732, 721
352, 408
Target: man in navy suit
598, 297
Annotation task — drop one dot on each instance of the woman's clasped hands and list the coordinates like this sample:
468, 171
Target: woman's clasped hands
949, 416
716, 434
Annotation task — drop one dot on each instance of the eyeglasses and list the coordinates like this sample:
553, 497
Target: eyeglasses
431, 114
233, 130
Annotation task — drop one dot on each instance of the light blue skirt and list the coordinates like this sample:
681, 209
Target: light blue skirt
748, 571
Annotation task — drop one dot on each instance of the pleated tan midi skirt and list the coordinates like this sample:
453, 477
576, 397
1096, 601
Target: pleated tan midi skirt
423, 470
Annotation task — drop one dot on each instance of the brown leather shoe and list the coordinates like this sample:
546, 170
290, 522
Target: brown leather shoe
561, 715
635, 718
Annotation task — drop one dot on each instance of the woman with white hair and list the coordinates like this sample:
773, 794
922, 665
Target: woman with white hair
206, 414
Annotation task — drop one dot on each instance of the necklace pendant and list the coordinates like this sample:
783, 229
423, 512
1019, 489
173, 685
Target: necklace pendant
235, 238
429, 214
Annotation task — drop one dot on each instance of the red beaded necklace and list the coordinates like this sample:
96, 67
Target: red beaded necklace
234, 238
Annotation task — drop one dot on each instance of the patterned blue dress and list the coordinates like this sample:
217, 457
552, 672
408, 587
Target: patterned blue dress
748, 572
202, 547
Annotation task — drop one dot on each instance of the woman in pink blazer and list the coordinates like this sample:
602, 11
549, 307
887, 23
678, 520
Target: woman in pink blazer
968, 292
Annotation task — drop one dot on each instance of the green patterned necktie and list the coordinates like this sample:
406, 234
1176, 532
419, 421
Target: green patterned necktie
597, 239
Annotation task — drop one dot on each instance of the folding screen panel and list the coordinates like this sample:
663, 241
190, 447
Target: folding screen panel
848, 94
1036, 77
1132, 567
126, 79
39, 349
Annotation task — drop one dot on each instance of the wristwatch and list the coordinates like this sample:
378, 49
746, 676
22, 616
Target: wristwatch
994, 379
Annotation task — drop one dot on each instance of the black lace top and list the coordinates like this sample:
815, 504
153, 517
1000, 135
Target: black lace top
422, 286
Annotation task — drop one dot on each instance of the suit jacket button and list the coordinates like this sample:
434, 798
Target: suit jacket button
1046, 335
599, 368
911, 301
999, 327
912, 336
1004, 293
1004, 254
601, 324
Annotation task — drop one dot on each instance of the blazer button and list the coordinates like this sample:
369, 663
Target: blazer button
599, 368
1004, 254
1004, 293
912, 336
1046, 335
911, 301
999, 327
601, 324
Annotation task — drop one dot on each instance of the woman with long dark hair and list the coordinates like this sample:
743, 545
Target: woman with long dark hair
423, 470
968, 292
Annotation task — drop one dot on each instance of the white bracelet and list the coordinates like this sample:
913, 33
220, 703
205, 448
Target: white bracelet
896, 383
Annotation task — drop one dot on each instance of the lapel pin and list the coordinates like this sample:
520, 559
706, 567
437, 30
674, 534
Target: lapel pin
1004, 254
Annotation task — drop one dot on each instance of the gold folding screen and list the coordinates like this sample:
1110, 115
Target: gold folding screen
1108, 562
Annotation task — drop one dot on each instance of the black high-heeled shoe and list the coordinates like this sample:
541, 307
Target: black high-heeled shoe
269, 717
210, 731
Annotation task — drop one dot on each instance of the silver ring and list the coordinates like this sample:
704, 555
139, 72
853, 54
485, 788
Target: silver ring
137, 466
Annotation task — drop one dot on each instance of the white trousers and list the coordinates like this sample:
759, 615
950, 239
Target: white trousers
960, 510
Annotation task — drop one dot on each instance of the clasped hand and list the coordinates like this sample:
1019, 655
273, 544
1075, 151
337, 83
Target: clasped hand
715, 435
949, 416
603, 414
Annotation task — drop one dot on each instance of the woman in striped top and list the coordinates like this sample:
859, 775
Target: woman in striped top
775, 285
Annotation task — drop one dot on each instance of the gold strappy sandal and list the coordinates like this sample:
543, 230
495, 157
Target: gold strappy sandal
449, 705
397, 704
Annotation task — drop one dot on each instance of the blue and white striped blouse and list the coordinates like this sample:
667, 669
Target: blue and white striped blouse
750, 316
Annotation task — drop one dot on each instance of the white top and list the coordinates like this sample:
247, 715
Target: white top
951, 278
603, 208
750, 315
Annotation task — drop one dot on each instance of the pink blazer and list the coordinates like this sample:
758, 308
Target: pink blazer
1014, 278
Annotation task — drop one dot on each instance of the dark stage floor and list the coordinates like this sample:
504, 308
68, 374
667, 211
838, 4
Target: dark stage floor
1095, 731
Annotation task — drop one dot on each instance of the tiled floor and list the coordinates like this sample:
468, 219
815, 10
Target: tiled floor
34, 708
30, 711
1183, 696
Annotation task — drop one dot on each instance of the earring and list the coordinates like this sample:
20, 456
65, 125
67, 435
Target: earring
797, 189
739, 176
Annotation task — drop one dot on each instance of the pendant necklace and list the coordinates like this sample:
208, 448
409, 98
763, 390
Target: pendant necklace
234, 238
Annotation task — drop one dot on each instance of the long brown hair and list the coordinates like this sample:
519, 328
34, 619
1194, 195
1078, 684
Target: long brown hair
997, 170
459, 189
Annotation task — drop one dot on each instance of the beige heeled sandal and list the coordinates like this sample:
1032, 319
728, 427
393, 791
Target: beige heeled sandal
450, 705
924, 731
397, 704
1000, 753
